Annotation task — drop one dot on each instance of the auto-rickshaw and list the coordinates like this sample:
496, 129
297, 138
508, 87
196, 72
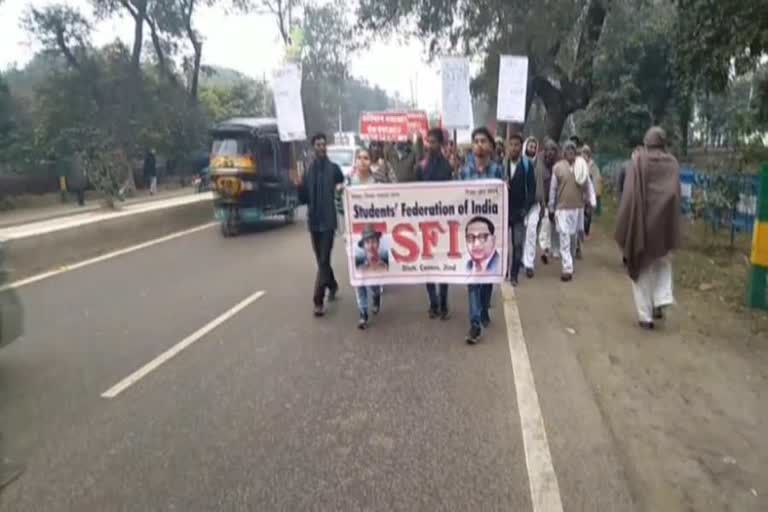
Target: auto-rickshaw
253, 173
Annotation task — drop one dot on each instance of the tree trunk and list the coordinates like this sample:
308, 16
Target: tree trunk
138, 35
198, 46
554, 120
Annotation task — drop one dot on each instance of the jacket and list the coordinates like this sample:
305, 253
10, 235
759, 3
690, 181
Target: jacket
522, 190
436, 168
318, 191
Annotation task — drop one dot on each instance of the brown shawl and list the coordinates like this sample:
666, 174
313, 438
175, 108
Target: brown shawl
648, 224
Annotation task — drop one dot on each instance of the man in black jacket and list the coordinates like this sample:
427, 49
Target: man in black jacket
437, 168
521, 184
317, 191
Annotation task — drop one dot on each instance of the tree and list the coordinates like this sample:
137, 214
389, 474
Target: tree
561, 42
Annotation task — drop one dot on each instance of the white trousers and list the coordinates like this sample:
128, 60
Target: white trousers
653, 288
547, 235
531, 228
153, 185
567, 226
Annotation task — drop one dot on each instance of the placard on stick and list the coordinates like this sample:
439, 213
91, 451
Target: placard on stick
513, 87
286, 87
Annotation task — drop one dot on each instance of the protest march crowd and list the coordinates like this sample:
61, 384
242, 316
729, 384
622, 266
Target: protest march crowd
552, 193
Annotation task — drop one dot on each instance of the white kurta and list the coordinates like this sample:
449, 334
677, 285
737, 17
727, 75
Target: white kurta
567, 225
653, 288
531, 227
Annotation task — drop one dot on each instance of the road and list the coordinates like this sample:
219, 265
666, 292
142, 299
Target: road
272, 409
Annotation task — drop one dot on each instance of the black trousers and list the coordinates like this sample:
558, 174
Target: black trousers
322, 244
587, 220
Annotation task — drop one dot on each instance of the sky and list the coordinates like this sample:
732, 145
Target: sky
248, 43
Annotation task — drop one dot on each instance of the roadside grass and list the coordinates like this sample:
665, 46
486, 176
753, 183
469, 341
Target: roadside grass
708, 269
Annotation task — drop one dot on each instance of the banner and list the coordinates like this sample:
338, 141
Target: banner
286, 88
436, 232
513, 87
457, 101
393, 126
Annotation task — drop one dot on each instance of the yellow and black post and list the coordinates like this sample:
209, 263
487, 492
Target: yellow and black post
757, 288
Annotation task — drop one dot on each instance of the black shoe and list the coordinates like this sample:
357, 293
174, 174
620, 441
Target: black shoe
529, 273
566, 278
545, 258
433, 313
319, 310
362, 323
578, 253
658, 313
473, 336
445, 314
648, 326
376, 304
486, 322
333, 294
513, 282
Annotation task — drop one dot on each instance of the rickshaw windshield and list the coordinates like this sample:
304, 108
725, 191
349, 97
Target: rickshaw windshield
231, 146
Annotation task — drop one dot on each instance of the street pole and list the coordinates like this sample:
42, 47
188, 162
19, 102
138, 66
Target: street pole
757, 287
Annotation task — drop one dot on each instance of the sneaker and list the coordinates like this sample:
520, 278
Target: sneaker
376, 304
473, 336
319, 310
529, 273
566, 278
486, 322
648, 326
362, 323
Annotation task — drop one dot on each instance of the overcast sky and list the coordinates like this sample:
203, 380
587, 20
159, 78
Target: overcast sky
228, 39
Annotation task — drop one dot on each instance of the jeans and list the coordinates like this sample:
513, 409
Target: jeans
438, 300
362, 297
479, 302
322, 244
517, 241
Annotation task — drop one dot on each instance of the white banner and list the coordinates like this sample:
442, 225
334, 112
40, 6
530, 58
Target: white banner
436, 232
513, 86
286, 88
457, 101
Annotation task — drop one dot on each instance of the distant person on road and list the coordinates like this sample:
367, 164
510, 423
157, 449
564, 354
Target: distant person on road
597, 182
404, 157
570, 185
77, 178
437, 168
381, 169
538, 228
480, 166
318, 191
648, 226
521, 188
150, 171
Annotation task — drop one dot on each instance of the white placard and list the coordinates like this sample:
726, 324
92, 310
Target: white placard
456, 98
513, 86
286, 88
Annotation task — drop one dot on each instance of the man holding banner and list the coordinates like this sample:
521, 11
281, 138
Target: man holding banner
481, 234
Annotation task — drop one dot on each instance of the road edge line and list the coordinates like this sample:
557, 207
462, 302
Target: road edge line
90, 261
545, 491
172, 352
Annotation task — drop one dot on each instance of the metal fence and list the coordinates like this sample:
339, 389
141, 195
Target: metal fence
697, 184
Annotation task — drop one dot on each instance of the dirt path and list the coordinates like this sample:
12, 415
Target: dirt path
686, 404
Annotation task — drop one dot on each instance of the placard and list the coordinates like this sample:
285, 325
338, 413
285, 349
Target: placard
286, 88
513, 87
457, 101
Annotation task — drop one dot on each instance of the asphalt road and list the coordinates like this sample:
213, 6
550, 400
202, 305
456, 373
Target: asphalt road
274, 409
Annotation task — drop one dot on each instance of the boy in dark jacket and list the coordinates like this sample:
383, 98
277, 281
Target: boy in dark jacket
521, 184
318, 191
437, 168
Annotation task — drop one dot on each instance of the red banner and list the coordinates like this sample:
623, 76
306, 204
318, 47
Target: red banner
393, 126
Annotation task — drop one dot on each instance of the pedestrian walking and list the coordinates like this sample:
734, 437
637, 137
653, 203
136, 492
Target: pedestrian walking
570, 184
521, 187
381, 169
77, 178
648, 226
363, 175
548, 239
404, 157
150, 171
480, 166
597, 182
318, 191
437, 168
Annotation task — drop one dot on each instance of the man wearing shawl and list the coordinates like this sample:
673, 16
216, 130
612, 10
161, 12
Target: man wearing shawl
547, 236
570, 185
648, 226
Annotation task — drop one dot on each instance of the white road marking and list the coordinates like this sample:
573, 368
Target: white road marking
103, 257
174, 350
545, 492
